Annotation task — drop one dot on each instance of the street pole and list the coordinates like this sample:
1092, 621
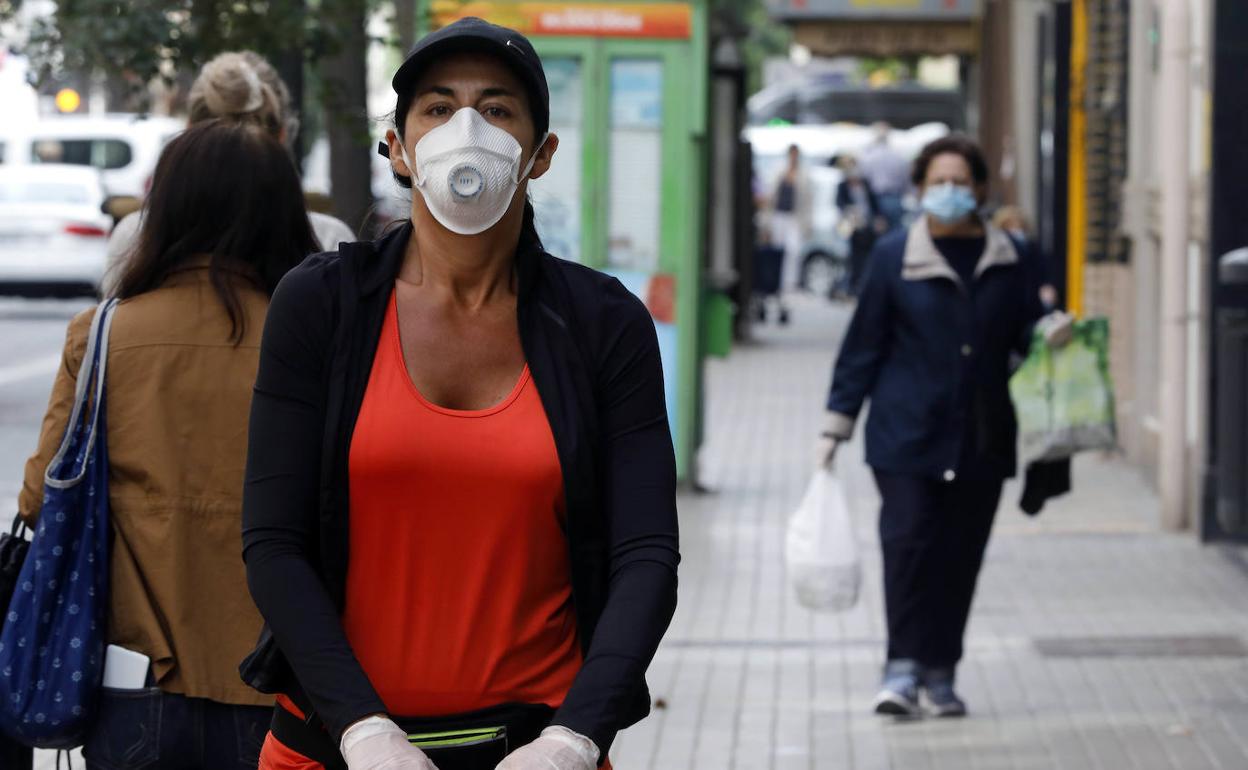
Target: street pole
1173, 144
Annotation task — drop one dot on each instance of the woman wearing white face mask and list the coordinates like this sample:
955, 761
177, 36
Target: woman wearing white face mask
459, 517
942, 309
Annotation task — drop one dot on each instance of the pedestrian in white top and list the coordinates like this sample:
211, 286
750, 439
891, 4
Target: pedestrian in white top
790, 222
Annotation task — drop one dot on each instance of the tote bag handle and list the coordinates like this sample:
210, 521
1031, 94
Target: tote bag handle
94, 364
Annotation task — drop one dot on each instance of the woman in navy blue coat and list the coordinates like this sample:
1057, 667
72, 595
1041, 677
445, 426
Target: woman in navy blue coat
943, 309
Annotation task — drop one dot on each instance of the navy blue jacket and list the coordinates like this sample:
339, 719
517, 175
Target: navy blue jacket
935, 358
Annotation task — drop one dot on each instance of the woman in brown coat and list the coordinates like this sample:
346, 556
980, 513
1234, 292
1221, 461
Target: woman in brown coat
224, 222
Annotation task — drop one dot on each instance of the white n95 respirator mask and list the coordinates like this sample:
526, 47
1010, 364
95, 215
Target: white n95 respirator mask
468, 171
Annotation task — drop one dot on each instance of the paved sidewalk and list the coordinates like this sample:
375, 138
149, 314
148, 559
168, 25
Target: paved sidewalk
1096, 641
750, 681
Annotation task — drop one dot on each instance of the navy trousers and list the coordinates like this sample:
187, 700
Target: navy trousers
149, 729
933, 535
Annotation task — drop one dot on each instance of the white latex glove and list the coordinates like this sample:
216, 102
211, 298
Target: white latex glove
1058, 328
557, 748
376, 743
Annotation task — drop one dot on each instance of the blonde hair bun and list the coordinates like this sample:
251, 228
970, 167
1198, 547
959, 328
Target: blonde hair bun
229, 87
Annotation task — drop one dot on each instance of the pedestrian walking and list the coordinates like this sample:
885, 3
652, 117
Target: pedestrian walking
789, 223
224, 221
459, 515
888, 174
238, 86
943, 308
860, 207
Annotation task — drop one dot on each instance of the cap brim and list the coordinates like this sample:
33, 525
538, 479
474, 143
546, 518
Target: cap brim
419, 60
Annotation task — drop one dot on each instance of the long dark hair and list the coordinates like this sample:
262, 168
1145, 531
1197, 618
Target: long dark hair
529, 239
229, 192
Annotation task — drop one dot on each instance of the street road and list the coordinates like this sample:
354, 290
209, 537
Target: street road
32, 335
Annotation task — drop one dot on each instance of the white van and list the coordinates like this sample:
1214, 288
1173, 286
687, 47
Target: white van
123, 147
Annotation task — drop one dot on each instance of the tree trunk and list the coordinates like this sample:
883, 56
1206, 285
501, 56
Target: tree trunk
289, 63
344, 80
405, 23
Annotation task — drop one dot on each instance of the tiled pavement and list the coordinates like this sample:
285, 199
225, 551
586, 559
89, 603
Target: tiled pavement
752, 681
748, 680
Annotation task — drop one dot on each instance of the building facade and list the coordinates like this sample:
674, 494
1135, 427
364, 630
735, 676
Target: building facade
1137, 182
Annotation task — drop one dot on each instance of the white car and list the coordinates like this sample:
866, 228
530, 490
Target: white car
53, 230
123, 147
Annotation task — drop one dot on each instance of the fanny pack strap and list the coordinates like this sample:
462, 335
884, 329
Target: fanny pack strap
307, 738
523, 723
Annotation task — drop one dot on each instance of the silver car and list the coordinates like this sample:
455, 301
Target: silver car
53, 229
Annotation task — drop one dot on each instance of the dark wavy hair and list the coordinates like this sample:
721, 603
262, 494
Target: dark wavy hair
228, 191
541, 123
955, 144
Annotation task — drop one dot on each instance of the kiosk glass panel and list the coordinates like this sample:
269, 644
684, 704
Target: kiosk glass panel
635, 151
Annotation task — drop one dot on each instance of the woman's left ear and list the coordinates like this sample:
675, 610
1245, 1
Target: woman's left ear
545, 153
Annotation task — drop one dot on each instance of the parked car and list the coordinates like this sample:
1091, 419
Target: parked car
53, 229
123, 147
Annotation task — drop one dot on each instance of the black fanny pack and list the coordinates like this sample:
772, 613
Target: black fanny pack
477, 740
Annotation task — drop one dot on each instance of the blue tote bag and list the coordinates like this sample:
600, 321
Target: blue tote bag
52, 643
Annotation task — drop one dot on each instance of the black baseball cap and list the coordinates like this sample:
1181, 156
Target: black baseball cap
473, 34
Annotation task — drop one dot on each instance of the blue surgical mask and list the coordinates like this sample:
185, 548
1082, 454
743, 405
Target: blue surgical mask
950, 203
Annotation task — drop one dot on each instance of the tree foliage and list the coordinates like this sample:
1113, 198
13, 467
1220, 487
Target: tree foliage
140, 40
137, 41
760, 36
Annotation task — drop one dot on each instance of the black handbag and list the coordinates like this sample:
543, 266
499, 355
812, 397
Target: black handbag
14, 546
13, 549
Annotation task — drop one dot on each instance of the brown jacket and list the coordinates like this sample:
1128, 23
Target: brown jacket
178, 397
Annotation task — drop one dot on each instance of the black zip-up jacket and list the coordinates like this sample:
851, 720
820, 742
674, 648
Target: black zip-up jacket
594, 357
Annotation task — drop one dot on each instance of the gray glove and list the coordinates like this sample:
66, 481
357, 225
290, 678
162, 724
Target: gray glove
1058, 328
837, 429
825, 451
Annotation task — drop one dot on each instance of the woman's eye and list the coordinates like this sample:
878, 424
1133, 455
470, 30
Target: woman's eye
496, 112
439, 110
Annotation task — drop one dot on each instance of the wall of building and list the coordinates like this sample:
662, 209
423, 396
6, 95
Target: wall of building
1130, 292
1024, 96
1121, 243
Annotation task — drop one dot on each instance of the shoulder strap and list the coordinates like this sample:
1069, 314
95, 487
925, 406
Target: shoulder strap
92, 368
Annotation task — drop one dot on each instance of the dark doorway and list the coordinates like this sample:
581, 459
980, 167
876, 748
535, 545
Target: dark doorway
1054, 111
1225, 515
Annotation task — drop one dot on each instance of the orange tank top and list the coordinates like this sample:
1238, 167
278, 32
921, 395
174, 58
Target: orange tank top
459, 592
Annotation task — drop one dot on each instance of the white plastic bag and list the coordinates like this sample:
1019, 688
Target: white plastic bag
820, 550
